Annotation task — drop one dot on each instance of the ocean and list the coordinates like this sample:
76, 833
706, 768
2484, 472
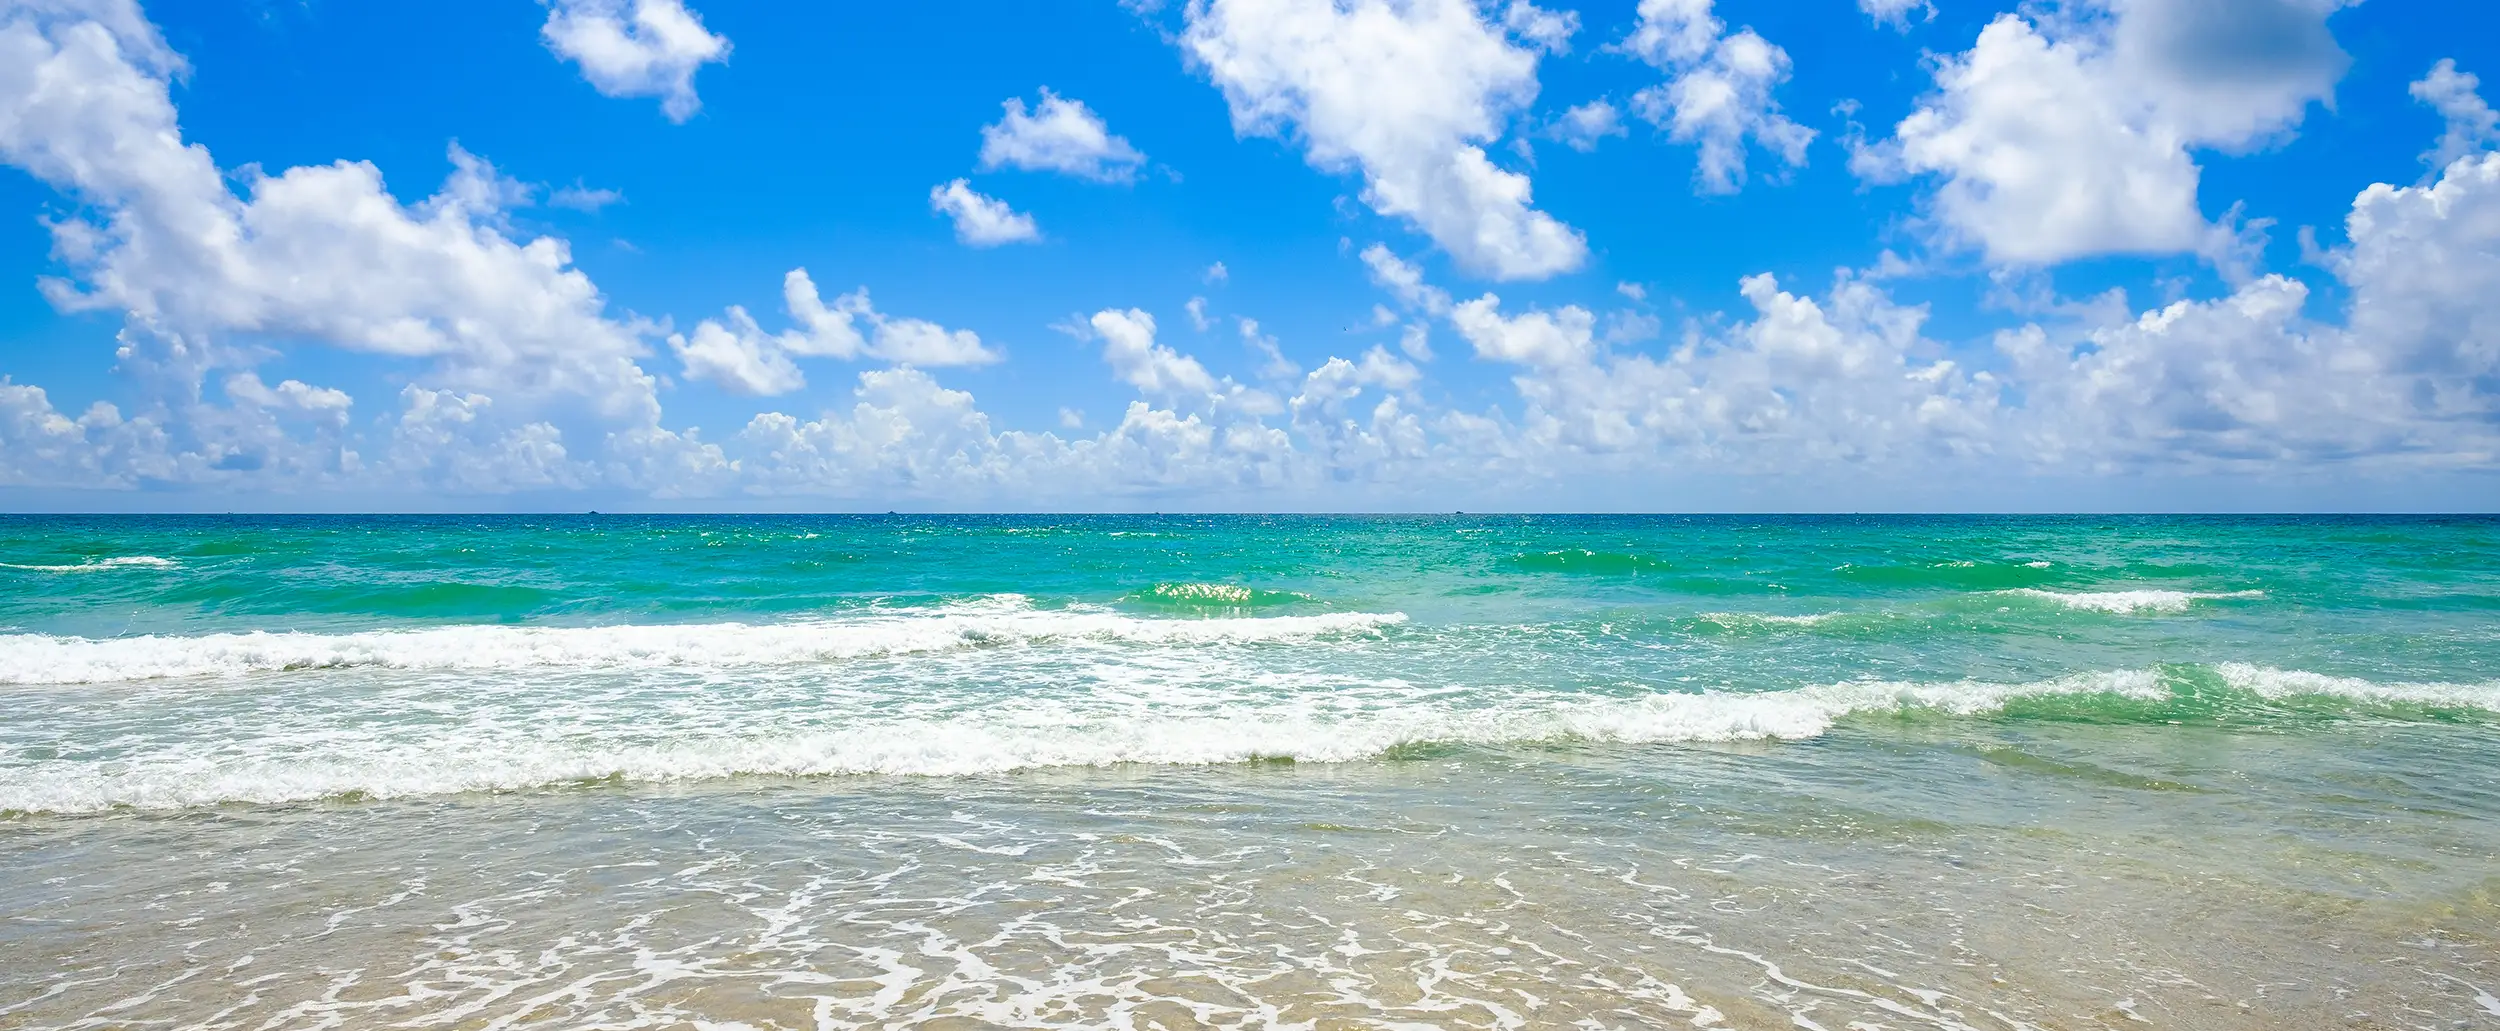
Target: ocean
1838, 773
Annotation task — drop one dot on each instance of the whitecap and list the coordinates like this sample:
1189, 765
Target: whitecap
1736, 620
2130, 602
1003, 622
2278, 684
328, 762
94, 565
322, 759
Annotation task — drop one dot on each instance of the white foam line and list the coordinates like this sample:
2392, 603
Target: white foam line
1733, 620
2126, 602
97, 565
503, 750
335, 764
46, 659
2279, 684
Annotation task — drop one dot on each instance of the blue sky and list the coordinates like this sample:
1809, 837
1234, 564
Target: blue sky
1249, 254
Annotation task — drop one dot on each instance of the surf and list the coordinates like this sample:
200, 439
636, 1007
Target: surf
1009, 621
325, 760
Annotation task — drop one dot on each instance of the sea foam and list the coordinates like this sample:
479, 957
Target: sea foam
2131, 602
331, 762
323, 759
46, 659
99, 564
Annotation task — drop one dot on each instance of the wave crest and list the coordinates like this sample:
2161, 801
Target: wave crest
331, 764
99, 564
1215, 595
2131, 602
46, 659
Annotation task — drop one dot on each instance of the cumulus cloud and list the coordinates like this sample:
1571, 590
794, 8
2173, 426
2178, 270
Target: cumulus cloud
1405, 93
981, 220
1275, 365
451, 439
1844, 379
294, 395
1381, 442
1128, 346
1581, 127
1404, 281
2058, 138
1058, 135
905, 432
40, 447
1162, 374
735, 352
1718, 90
1896, 13
322, 252
636, 48
2472, 125
1544, 339
1549, 31
497, 333
738, 356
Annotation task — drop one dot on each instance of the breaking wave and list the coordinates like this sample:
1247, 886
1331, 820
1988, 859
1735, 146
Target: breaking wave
331, 763
1214, 596
1004, 622
2131, 602
99, 564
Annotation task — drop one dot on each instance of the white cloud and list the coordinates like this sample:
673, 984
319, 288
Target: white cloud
906, 434
40, 447
1276, 366
1217, 273
1416, 340
322, 253
903, 431
1163, 374
2061, 138
2250, 381
1385, 443
1581, 127
1404, 281
1197, 311
981, 221
2472, 125
448, 439
1539, 338
1058, 135
742, 358
1128, 345
582, 198
822, 332
636, 48
738, 356
1896, 13
905, 341
211, 282
1718, 91
1405, 92
289, 395
1549, 31
1840, 380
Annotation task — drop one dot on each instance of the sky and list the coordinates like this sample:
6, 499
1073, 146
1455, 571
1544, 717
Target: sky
1250, 255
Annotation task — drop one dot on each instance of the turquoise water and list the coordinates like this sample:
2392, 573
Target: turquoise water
1801, 771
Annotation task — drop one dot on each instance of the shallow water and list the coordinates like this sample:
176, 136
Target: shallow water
1176, 772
